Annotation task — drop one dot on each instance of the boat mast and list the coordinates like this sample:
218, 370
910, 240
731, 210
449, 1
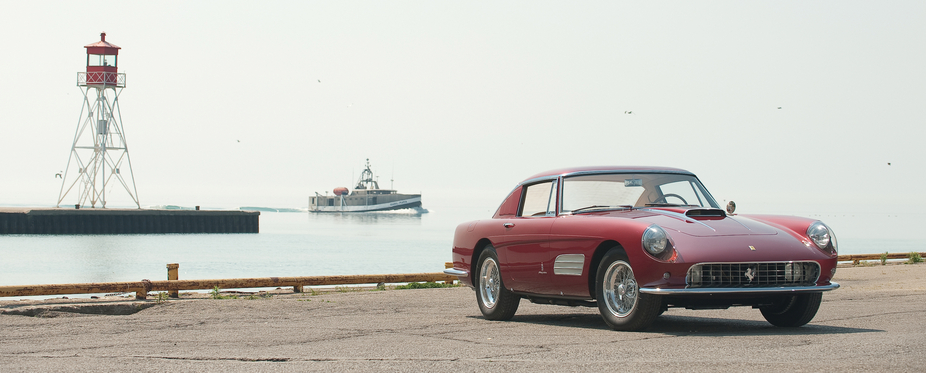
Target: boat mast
366, 179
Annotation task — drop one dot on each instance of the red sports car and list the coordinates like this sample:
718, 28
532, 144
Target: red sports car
634, 241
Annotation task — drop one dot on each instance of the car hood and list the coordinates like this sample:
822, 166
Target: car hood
734, 238
705, 222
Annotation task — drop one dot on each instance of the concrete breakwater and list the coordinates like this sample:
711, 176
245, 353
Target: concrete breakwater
125, 221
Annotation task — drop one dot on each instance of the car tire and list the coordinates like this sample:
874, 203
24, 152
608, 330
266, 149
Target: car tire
620, 302
793, 311
495, 301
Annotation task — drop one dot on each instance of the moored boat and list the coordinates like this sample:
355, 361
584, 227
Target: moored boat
366, 197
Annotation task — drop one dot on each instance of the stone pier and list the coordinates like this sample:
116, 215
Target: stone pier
125, 221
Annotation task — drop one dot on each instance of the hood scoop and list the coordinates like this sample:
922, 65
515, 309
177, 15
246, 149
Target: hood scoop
705, 213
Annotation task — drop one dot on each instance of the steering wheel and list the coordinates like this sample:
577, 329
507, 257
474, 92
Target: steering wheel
665, 196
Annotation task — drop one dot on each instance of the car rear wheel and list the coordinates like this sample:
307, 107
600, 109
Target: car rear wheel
620, 302
495, 301
793, 311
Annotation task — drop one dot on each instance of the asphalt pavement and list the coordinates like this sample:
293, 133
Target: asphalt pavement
875, 322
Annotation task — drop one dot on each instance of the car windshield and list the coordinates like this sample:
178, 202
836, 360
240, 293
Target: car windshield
609, 191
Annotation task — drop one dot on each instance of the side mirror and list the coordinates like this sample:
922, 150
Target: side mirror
731, 207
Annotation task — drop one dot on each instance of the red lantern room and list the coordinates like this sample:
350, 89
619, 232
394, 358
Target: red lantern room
102, 62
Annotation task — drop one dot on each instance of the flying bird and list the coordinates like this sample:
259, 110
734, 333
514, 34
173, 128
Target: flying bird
58, 175
628, 112
319, 80
779, 107
888, 163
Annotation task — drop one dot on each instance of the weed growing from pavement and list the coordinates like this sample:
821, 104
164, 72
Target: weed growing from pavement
914, 258
884, 258
425, 285
162, 297
217, 294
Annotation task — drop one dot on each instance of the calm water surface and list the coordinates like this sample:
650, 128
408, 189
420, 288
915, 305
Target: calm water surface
303, 244
290, 244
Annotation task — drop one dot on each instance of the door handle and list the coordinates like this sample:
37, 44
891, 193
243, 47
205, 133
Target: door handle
509, 225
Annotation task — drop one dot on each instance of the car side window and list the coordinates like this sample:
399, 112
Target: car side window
539, 199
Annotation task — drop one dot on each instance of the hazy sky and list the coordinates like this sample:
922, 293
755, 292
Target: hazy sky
462, 100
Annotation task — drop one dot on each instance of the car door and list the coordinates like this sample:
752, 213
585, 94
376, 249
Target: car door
523, 246
572, 242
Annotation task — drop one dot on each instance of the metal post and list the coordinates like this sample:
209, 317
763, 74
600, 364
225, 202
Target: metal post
172, 275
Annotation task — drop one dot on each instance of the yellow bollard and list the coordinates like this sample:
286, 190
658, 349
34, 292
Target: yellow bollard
142, 293
172, 274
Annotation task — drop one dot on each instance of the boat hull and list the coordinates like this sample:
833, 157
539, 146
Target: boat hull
407, 203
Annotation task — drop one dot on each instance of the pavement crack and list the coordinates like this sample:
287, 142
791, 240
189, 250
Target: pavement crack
349, 359
247, 359
210, 358
879, 315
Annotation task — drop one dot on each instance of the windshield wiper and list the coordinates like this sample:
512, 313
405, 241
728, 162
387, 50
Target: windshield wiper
602, 207
659, 204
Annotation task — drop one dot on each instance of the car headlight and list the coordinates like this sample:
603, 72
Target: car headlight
655, 240
821, 235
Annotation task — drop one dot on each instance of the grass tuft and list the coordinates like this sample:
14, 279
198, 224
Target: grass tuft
217, 294
425, 285
914, 258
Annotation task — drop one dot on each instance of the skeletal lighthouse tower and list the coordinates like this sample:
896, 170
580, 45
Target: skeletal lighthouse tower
99, 161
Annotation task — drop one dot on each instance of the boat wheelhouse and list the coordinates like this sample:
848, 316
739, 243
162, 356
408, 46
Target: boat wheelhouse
366, 197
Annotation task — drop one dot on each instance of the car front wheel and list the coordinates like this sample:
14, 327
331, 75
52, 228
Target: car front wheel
620, 302
495, 301
793, 311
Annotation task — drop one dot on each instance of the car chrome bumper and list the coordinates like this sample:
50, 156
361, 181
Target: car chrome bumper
456, 272
692, 291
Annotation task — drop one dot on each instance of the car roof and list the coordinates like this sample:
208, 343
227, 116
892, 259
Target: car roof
605, 169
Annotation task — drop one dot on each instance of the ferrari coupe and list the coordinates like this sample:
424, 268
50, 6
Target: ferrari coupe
635, 241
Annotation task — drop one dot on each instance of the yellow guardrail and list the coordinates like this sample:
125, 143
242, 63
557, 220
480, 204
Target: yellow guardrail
856, 258
173, 286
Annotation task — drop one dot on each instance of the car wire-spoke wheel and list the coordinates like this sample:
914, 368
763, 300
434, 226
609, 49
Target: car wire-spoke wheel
495, 301
490, 283
620, 302
620, 289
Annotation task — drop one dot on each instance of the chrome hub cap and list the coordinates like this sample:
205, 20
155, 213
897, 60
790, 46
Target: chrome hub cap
620, 289
489, 283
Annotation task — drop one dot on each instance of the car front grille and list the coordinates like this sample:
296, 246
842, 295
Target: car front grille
744, 275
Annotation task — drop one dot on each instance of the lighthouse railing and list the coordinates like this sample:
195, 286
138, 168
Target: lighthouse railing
104, 78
